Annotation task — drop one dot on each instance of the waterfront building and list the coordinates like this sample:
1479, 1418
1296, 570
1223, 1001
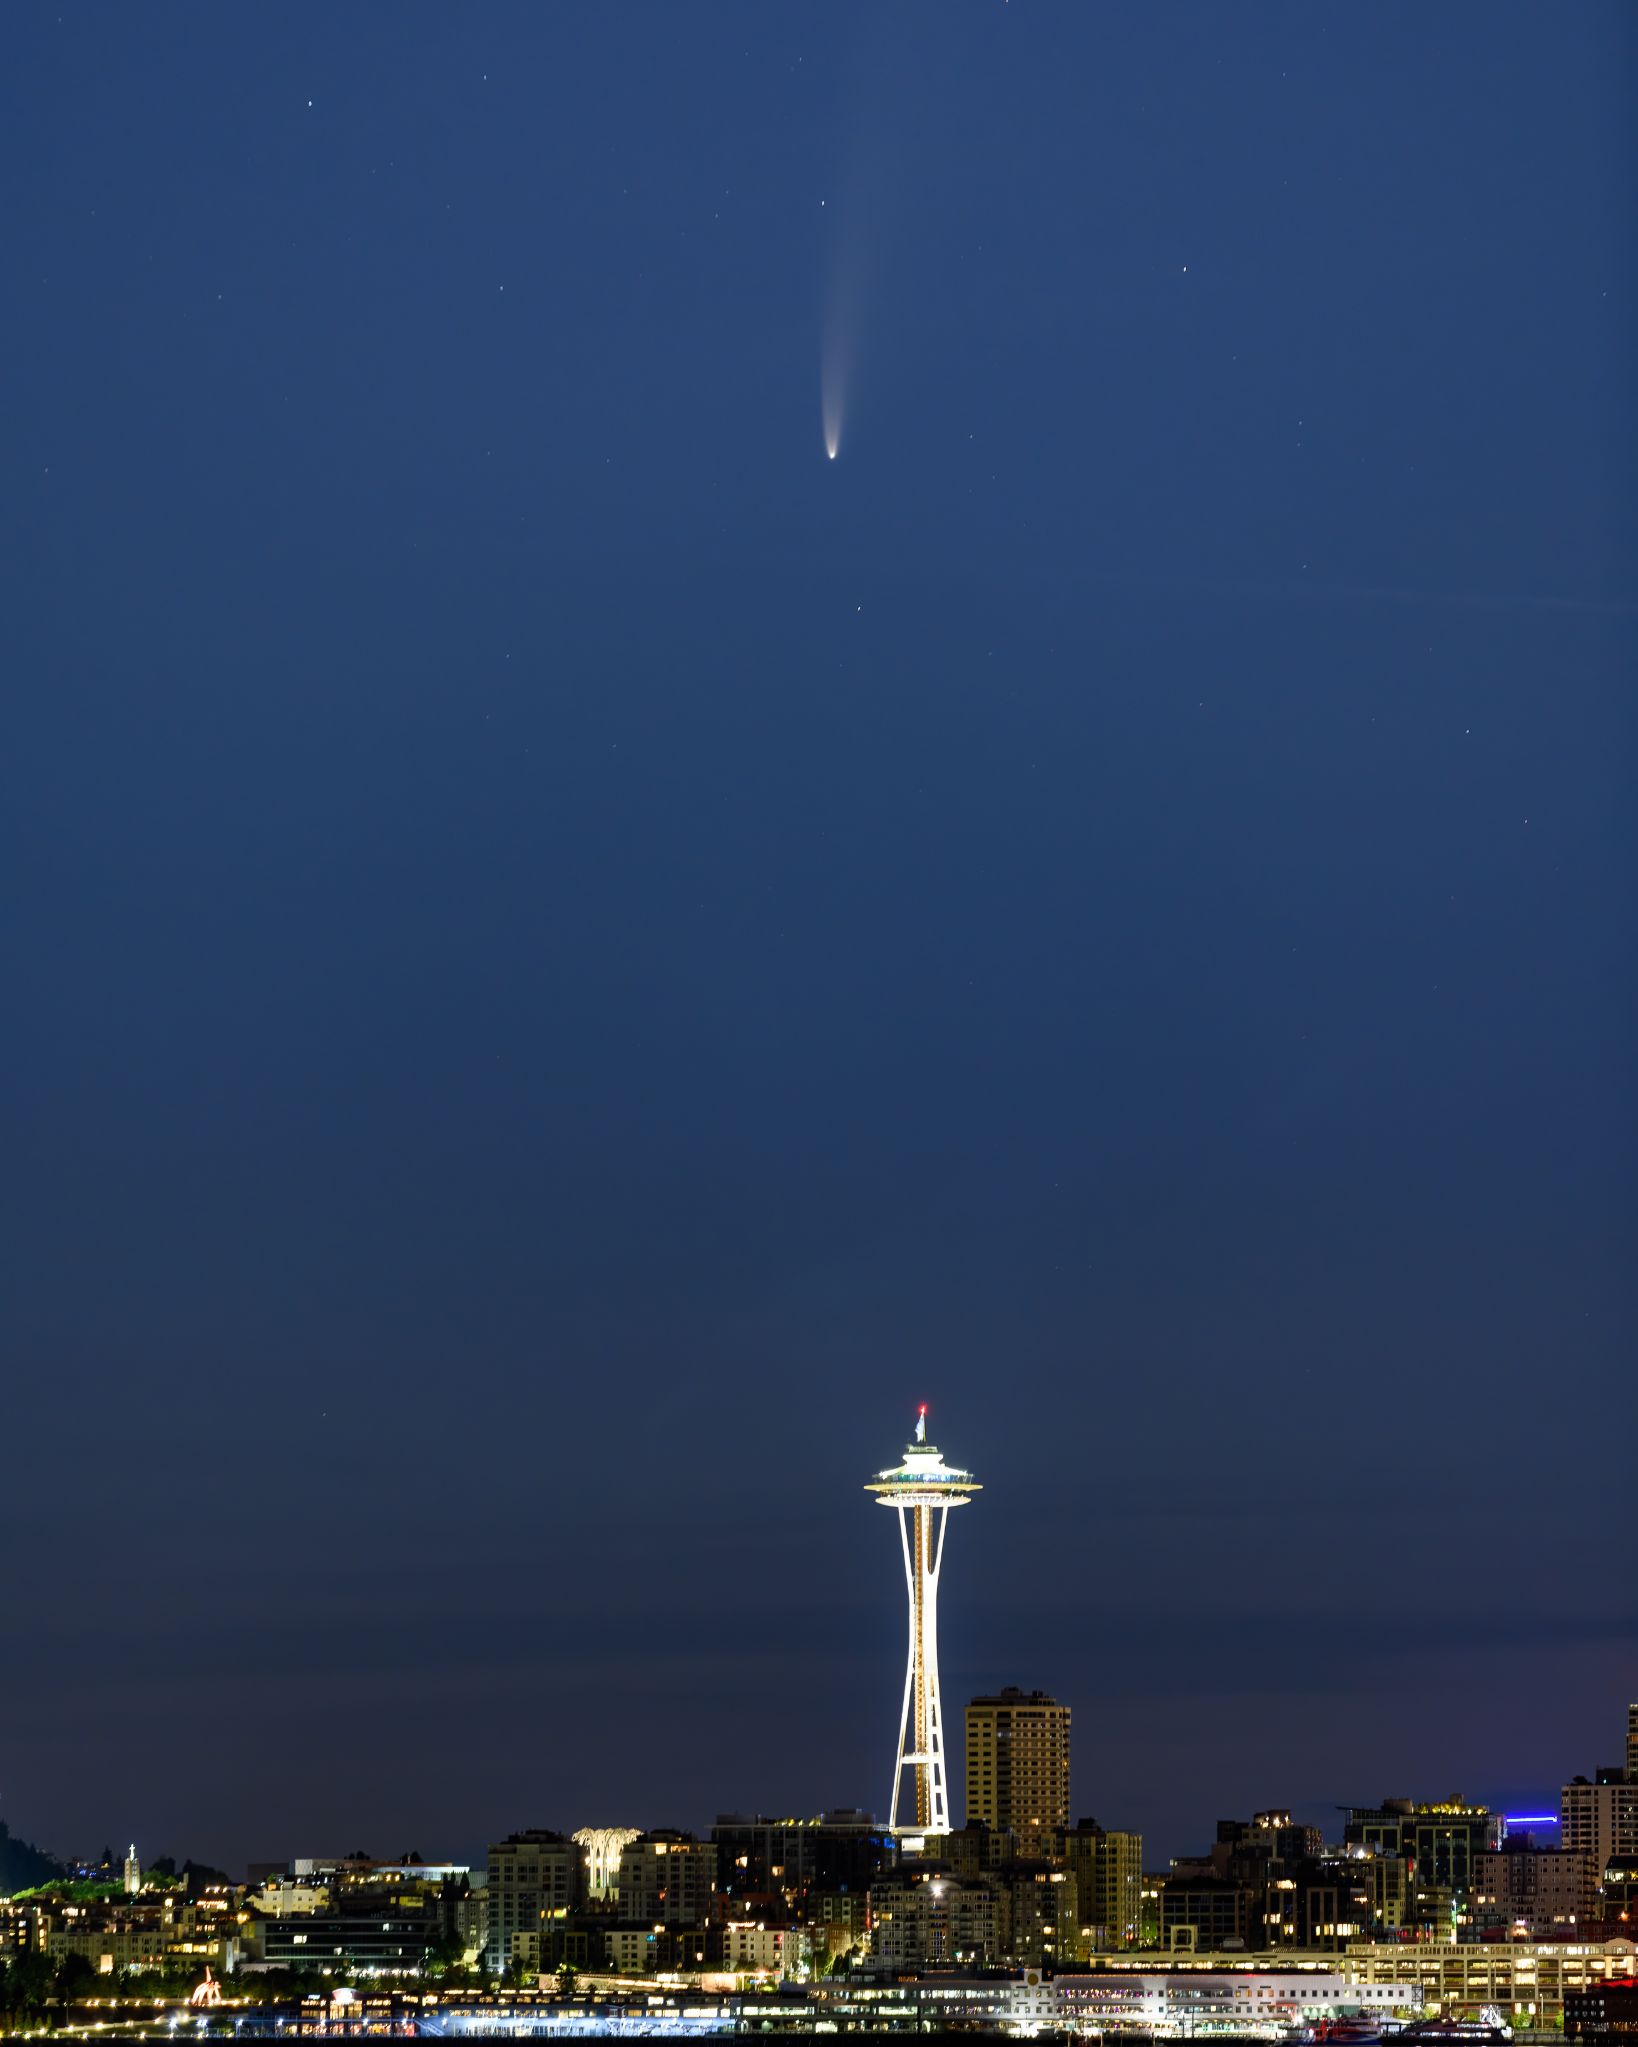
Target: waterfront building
1242, 2002
1607, 2014
374, 1943
1526, 1981
1018, 1766
922, 1489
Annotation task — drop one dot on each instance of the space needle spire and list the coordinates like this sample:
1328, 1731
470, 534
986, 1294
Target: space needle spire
922, 1489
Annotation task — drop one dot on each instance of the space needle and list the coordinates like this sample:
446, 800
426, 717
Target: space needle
922, 1488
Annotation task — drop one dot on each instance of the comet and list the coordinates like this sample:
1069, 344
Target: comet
830, 403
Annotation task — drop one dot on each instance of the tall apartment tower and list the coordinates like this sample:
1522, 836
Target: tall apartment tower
1632, 1743
535, 1878
1018, 1767
1108, 1872
1600, 1820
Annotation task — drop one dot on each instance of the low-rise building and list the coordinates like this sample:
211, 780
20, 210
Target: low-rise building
1527, 1981
376, 1943
1609, 2013
1246, 2002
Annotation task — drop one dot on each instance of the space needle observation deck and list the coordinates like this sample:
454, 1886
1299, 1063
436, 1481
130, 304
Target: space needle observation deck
922, 1488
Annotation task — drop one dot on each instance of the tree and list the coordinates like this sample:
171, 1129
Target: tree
25, 1986
76, 1976
447, 1952
568, 1977
22, 1865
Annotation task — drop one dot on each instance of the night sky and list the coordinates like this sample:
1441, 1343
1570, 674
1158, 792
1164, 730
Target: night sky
568, 959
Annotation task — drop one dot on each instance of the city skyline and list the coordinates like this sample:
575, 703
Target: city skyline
921, 1485
719, 717
1408, 1914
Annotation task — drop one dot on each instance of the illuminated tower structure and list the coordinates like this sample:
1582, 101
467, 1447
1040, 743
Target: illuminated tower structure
922, 1489
604, 1846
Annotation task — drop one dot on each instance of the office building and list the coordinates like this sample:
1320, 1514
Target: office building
1018, 1767
1438, 1845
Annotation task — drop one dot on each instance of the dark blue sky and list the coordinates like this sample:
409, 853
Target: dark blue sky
568, 959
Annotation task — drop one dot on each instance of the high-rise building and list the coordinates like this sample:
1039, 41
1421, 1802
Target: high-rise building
1437, 1844
667, 1878
1018, 1767
1037, 1916
1534, 1890
922, 1489
1600, 1820
783, 1864
921, 1918
133, 1872
1632, 1743
535, 1879
1108, 1872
